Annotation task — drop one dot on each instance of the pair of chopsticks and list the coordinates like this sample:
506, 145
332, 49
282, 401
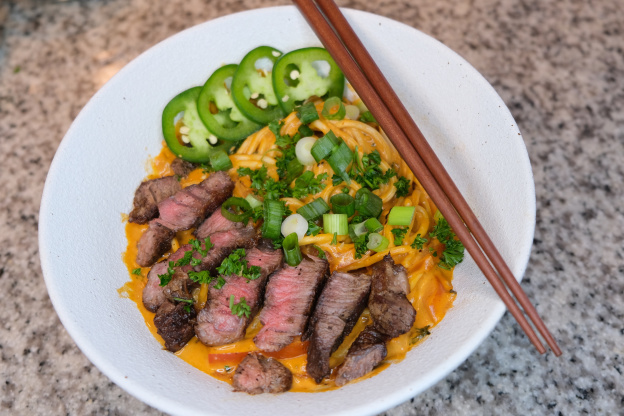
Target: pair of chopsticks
340, 40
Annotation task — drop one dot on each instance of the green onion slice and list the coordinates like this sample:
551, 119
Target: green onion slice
238, 204
220, 160
377, 242
314, 210
305, 131
253, 201
273, 213
336, 224
295, 169
324, 146
373, 225
340, 160
367, 203
401, 215
307, 113
357, 230
343, 204
329, 105
292, 252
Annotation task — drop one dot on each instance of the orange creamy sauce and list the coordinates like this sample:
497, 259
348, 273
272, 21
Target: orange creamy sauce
431, 294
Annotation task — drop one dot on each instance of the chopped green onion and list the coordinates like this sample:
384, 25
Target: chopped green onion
292, 253
324, 146
343, 204
305, 131
307, 113
367, 117
235, 202
302, 150
321, 253
273, 213
373, 225
314, 210
357, 230
340, 160
401, 215
329, 105
220, 160
367, 203
253, 201
295, 169
377, 242
336, 224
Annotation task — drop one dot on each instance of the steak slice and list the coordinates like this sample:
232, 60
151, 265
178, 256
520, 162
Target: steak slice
174, 323
216, 325
289, 297
214, 224
182, 167
148, 195
258, 374
184, 210
154, 242
392, 313
341, 303
366, 352
188, 207
224, 243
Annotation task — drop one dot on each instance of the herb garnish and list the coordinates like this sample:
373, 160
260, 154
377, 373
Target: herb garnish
420, 333
402, 186
166, 278
367, 117
202, 277
367, 172
334, 240
220, 283
313, 229
241, 308
189, 303
360, 245
453, 253
236, 263
321, 253
399, 234
137, 271
419, 242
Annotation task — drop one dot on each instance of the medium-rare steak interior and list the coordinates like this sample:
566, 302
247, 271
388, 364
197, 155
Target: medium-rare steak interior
258, 374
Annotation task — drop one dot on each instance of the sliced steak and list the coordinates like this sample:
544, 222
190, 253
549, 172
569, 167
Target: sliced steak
154, 242
224, 243
341, 303
392, 313
366, 352
258, 374
182, 167
174, 323
214, 224
216, 325
153, 293
148, 195
180, 286
289, 297
184, 210
188, 207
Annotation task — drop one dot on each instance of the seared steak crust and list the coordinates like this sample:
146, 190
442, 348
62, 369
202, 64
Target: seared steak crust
175, 324
341, 302
154, 242
257, 374
392, 313
182, 167
216, 325
216, 223
148, 195
184, 210
289, 297
366, 352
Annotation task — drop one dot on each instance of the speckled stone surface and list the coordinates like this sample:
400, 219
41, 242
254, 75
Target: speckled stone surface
559, 66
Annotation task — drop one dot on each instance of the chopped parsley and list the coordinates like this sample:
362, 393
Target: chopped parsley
197, 246
419, 242
189, 303
399, 235
269, 188
419, 334
453, 253
241, 308
236, 264
403, 186
166, 278
307, 184
184, 260
321, 253
367, 172
220, 283
200, 277
360, 245
313, 229
227, 368
137, 271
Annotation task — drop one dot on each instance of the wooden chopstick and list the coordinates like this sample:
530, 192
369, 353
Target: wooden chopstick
403, 144
409, 127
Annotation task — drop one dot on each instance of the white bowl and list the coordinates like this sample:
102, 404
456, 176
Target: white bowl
101, 161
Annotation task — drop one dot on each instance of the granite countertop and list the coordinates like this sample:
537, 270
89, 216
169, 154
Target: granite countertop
558, 65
